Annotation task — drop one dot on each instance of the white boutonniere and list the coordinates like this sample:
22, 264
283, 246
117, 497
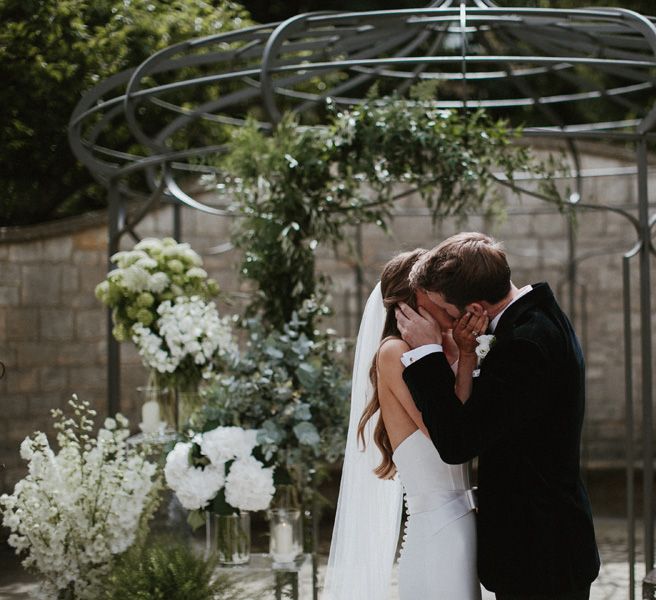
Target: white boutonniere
485, 343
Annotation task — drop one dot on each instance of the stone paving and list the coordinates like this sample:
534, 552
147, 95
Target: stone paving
612, 584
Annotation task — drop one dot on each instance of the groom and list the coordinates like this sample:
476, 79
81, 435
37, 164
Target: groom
523, 419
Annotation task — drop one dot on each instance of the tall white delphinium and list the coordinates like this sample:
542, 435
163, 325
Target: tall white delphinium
79, 507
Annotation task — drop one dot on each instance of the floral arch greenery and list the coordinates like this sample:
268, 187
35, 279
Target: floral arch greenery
208, 106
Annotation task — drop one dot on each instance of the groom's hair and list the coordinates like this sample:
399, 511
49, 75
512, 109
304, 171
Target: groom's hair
467, 267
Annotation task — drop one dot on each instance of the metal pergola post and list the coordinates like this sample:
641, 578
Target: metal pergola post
116, 219
646, 353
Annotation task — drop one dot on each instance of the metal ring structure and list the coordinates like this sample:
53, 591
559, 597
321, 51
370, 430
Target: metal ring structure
542, 68
551, 61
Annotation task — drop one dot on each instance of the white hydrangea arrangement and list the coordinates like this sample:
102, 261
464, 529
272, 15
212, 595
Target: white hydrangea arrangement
80, 507
153, 272
186, 339
217, 471
161, 299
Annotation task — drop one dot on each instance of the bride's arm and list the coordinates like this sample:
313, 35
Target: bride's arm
468, 361
467, 364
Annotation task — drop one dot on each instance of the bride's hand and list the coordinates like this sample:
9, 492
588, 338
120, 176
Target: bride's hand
467, 329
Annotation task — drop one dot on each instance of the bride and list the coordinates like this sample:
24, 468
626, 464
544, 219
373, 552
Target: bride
438, 554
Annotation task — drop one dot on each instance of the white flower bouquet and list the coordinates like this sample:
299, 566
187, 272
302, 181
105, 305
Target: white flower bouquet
79, 508
161, 299
153, 272
217, 471
185, 340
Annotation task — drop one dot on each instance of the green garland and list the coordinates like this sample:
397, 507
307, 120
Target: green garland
302, 186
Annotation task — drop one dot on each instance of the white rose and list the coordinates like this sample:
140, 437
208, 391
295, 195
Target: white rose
177, 463
146, 263
194, 486
200, 486
149, 244
484, 345
135, 278
126, 258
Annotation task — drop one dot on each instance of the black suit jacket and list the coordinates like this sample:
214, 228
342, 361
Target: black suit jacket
523, 420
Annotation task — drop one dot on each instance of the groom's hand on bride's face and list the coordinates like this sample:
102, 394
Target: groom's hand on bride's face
417, 328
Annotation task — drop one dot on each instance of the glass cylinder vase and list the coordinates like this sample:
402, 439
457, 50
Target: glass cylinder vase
286, 535
286, 496
228, 537
188, 402
166, 408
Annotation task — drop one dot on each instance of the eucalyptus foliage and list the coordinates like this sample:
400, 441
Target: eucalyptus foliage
292, 388
302, 186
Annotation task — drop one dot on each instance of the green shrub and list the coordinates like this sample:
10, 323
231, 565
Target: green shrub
167, 570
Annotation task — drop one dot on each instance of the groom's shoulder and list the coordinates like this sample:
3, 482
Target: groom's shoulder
537, 309
538, 325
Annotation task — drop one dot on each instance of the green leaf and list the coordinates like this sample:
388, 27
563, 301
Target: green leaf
273, 352
302, 412
196, 518
307, 375
270, 433
307, 434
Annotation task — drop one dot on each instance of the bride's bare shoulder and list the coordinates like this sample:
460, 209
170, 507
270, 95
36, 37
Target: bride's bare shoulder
390, 350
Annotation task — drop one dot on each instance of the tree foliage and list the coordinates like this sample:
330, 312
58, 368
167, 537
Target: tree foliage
276, 10
51, 52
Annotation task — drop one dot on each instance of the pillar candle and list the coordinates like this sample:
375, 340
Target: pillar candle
150, 417
283, 542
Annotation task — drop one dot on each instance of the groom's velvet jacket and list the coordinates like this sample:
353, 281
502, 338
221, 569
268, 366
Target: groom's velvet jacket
523, 420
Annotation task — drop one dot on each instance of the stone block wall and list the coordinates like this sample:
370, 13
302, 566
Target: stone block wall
53, 330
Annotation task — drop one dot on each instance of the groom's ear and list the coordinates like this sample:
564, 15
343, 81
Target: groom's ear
476, 308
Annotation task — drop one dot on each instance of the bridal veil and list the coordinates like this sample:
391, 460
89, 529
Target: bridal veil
368, 517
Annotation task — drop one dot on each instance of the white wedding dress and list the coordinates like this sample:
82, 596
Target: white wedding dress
438, 558
438, 555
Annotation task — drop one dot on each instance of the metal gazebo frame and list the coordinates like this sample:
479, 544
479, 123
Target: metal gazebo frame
532, 64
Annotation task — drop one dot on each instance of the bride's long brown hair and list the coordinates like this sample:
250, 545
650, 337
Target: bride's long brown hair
395, 288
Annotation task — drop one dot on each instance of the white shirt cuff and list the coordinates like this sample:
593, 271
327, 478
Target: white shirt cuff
412, 356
